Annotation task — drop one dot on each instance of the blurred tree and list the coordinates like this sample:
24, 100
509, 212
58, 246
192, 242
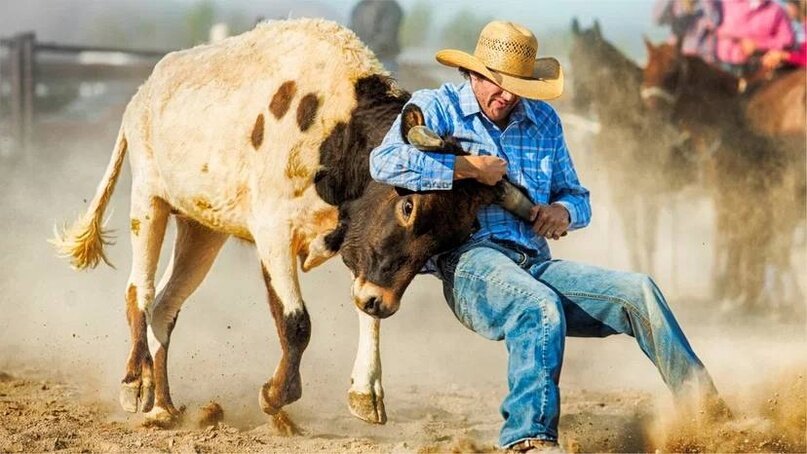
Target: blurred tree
462, 31
199, 19
239, 23
106, 29
416, 25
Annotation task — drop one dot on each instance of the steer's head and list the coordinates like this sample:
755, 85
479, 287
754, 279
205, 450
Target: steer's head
390, 233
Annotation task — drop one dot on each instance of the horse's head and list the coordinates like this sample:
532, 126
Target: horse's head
585, 58
664, 76
600, 72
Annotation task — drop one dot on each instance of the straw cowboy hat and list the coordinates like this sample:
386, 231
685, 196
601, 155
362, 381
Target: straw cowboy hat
505, 54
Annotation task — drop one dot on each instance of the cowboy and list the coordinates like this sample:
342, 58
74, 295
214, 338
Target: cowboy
502, 283
750, 28
693, 24
797, 55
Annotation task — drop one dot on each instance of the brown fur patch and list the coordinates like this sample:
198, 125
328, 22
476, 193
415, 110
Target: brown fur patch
294, 332
307, 111
204, 168
295, 167
139, 363
326, 218
282, 99
257, 132
135, 226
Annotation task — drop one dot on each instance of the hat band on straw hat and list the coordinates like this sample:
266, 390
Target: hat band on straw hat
506, 54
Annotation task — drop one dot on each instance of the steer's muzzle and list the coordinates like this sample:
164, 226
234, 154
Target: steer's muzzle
374, 300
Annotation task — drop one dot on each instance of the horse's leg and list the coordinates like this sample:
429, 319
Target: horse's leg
149, 216
650, 211
195, 249
291, 318
366, 395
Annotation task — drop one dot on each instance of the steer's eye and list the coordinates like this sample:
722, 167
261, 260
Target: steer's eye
406, 208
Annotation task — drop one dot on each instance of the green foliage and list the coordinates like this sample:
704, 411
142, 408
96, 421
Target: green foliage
416, 25
462, 31
199, 19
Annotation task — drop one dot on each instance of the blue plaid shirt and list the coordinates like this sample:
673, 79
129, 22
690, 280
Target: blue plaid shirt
532, 144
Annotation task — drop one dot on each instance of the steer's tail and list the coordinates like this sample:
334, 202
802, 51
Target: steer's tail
84, 241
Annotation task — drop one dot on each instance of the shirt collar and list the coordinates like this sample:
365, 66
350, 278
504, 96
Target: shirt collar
468, 103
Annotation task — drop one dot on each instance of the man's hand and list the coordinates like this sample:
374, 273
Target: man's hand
748, 46
550, 221
485, 169
773, 58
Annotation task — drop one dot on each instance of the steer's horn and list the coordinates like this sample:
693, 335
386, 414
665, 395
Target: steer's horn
514, 200
424, 138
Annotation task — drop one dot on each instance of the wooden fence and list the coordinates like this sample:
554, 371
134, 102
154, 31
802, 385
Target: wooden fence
24, 62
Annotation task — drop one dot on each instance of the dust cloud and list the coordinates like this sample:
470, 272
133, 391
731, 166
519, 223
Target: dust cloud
443, 383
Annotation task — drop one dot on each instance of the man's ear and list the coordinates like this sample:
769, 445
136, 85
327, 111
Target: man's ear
410, 117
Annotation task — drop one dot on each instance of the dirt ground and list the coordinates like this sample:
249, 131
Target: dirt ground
44, 415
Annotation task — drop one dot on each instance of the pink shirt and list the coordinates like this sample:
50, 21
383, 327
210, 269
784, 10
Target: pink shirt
798, 56
764, 22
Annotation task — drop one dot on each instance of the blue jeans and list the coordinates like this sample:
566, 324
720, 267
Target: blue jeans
503, 292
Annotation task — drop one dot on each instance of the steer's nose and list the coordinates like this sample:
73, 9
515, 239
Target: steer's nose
371, 306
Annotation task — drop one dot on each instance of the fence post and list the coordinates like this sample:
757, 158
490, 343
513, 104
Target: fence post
15, 93
21, 81
27, 55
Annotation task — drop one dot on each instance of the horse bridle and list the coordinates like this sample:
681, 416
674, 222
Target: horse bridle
663, 93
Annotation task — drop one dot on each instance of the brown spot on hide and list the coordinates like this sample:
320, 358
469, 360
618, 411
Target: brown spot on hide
204, 168
135, 226
257, 132
282, 99
307, 111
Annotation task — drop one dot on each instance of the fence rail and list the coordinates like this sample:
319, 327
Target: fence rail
21, 69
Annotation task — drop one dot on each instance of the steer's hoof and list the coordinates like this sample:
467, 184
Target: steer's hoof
265, 400
283, 425
368, 407
162, 418
137, 396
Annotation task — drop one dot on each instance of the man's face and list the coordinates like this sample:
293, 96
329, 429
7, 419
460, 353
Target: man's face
495, 102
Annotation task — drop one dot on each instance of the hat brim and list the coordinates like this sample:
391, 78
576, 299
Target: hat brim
545, 83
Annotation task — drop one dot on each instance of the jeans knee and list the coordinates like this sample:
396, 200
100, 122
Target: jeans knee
652, 299
543, 314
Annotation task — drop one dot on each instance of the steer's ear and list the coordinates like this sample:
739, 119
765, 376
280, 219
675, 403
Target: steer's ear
410, 117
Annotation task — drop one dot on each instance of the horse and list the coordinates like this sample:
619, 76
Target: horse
757, 181
776, 103
644, 160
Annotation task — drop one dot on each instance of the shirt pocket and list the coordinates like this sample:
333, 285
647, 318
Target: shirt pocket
535, 176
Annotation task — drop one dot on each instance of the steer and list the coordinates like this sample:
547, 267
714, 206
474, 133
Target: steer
266, 136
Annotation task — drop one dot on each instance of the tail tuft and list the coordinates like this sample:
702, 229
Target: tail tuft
83, 243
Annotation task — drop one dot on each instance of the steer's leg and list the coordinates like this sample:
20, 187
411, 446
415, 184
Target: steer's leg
195, 249
148, 218
366, 395
291, 318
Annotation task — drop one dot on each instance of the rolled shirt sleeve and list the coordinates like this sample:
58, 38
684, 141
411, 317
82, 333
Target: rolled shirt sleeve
397, 163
